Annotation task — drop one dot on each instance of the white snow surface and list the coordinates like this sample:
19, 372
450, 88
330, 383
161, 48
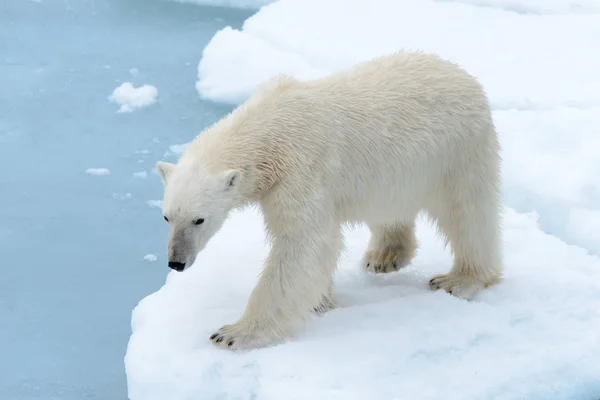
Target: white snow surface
551, 164
534, 336
247, 4
130, 98
540, 6
540, 72
525, 61
518, 6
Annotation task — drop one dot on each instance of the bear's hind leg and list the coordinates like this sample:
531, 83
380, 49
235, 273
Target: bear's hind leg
391, 247
468, 216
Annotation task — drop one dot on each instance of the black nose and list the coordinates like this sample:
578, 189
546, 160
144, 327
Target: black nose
177, 266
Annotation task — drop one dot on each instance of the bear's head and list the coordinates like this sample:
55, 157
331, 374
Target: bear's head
195, 205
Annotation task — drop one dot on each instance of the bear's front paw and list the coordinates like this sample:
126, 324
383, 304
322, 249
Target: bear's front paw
239, 337
388, 259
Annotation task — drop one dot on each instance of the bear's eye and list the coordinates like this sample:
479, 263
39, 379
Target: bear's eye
198, 221
165, 217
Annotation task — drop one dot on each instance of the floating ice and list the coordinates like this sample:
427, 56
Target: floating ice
122, 196
140, 175
150, 257
131, 98
98, 171
534, 336
154, 203
177, 149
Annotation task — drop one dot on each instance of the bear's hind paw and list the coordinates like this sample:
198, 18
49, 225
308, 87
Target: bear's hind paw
389, 259
461, 286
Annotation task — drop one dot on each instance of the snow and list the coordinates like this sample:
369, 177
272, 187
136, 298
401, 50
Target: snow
533, 336
551, 164
540, 72
131, 98
249, 4
540, 6
584, 226
520, 6
525, 61
98, 171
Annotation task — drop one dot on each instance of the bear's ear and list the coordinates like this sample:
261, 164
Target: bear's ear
164, 169
231, 178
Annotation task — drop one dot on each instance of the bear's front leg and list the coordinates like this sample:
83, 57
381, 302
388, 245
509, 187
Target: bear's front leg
296, 277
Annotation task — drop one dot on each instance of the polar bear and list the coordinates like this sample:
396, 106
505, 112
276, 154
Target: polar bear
375, 144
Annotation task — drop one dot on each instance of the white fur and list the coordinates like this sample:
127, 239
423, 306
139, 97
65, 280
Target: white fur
375, 144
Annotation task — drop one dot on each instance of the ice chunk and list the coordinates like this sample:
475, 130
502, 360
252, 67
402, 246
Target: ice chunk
177, 149
98, 171
131, 98
150, 257
140, 175
154, 203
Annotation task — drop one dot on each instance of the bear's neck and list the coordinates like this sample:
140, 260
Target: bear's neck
248, 148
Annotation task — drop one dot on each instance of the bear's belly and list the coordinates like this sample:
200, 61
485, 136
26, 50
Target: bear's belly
380, 206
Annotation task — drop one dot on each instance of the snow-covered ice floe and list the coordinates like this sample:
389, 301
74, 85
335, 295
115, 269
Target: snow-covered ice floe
130, 98
519, 6
539, 6
544, 65
248, 4
525, 61
534, 336
551, 164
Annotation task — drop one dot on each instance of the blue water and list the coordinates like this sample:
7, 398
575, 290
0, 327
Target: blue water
72, 244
